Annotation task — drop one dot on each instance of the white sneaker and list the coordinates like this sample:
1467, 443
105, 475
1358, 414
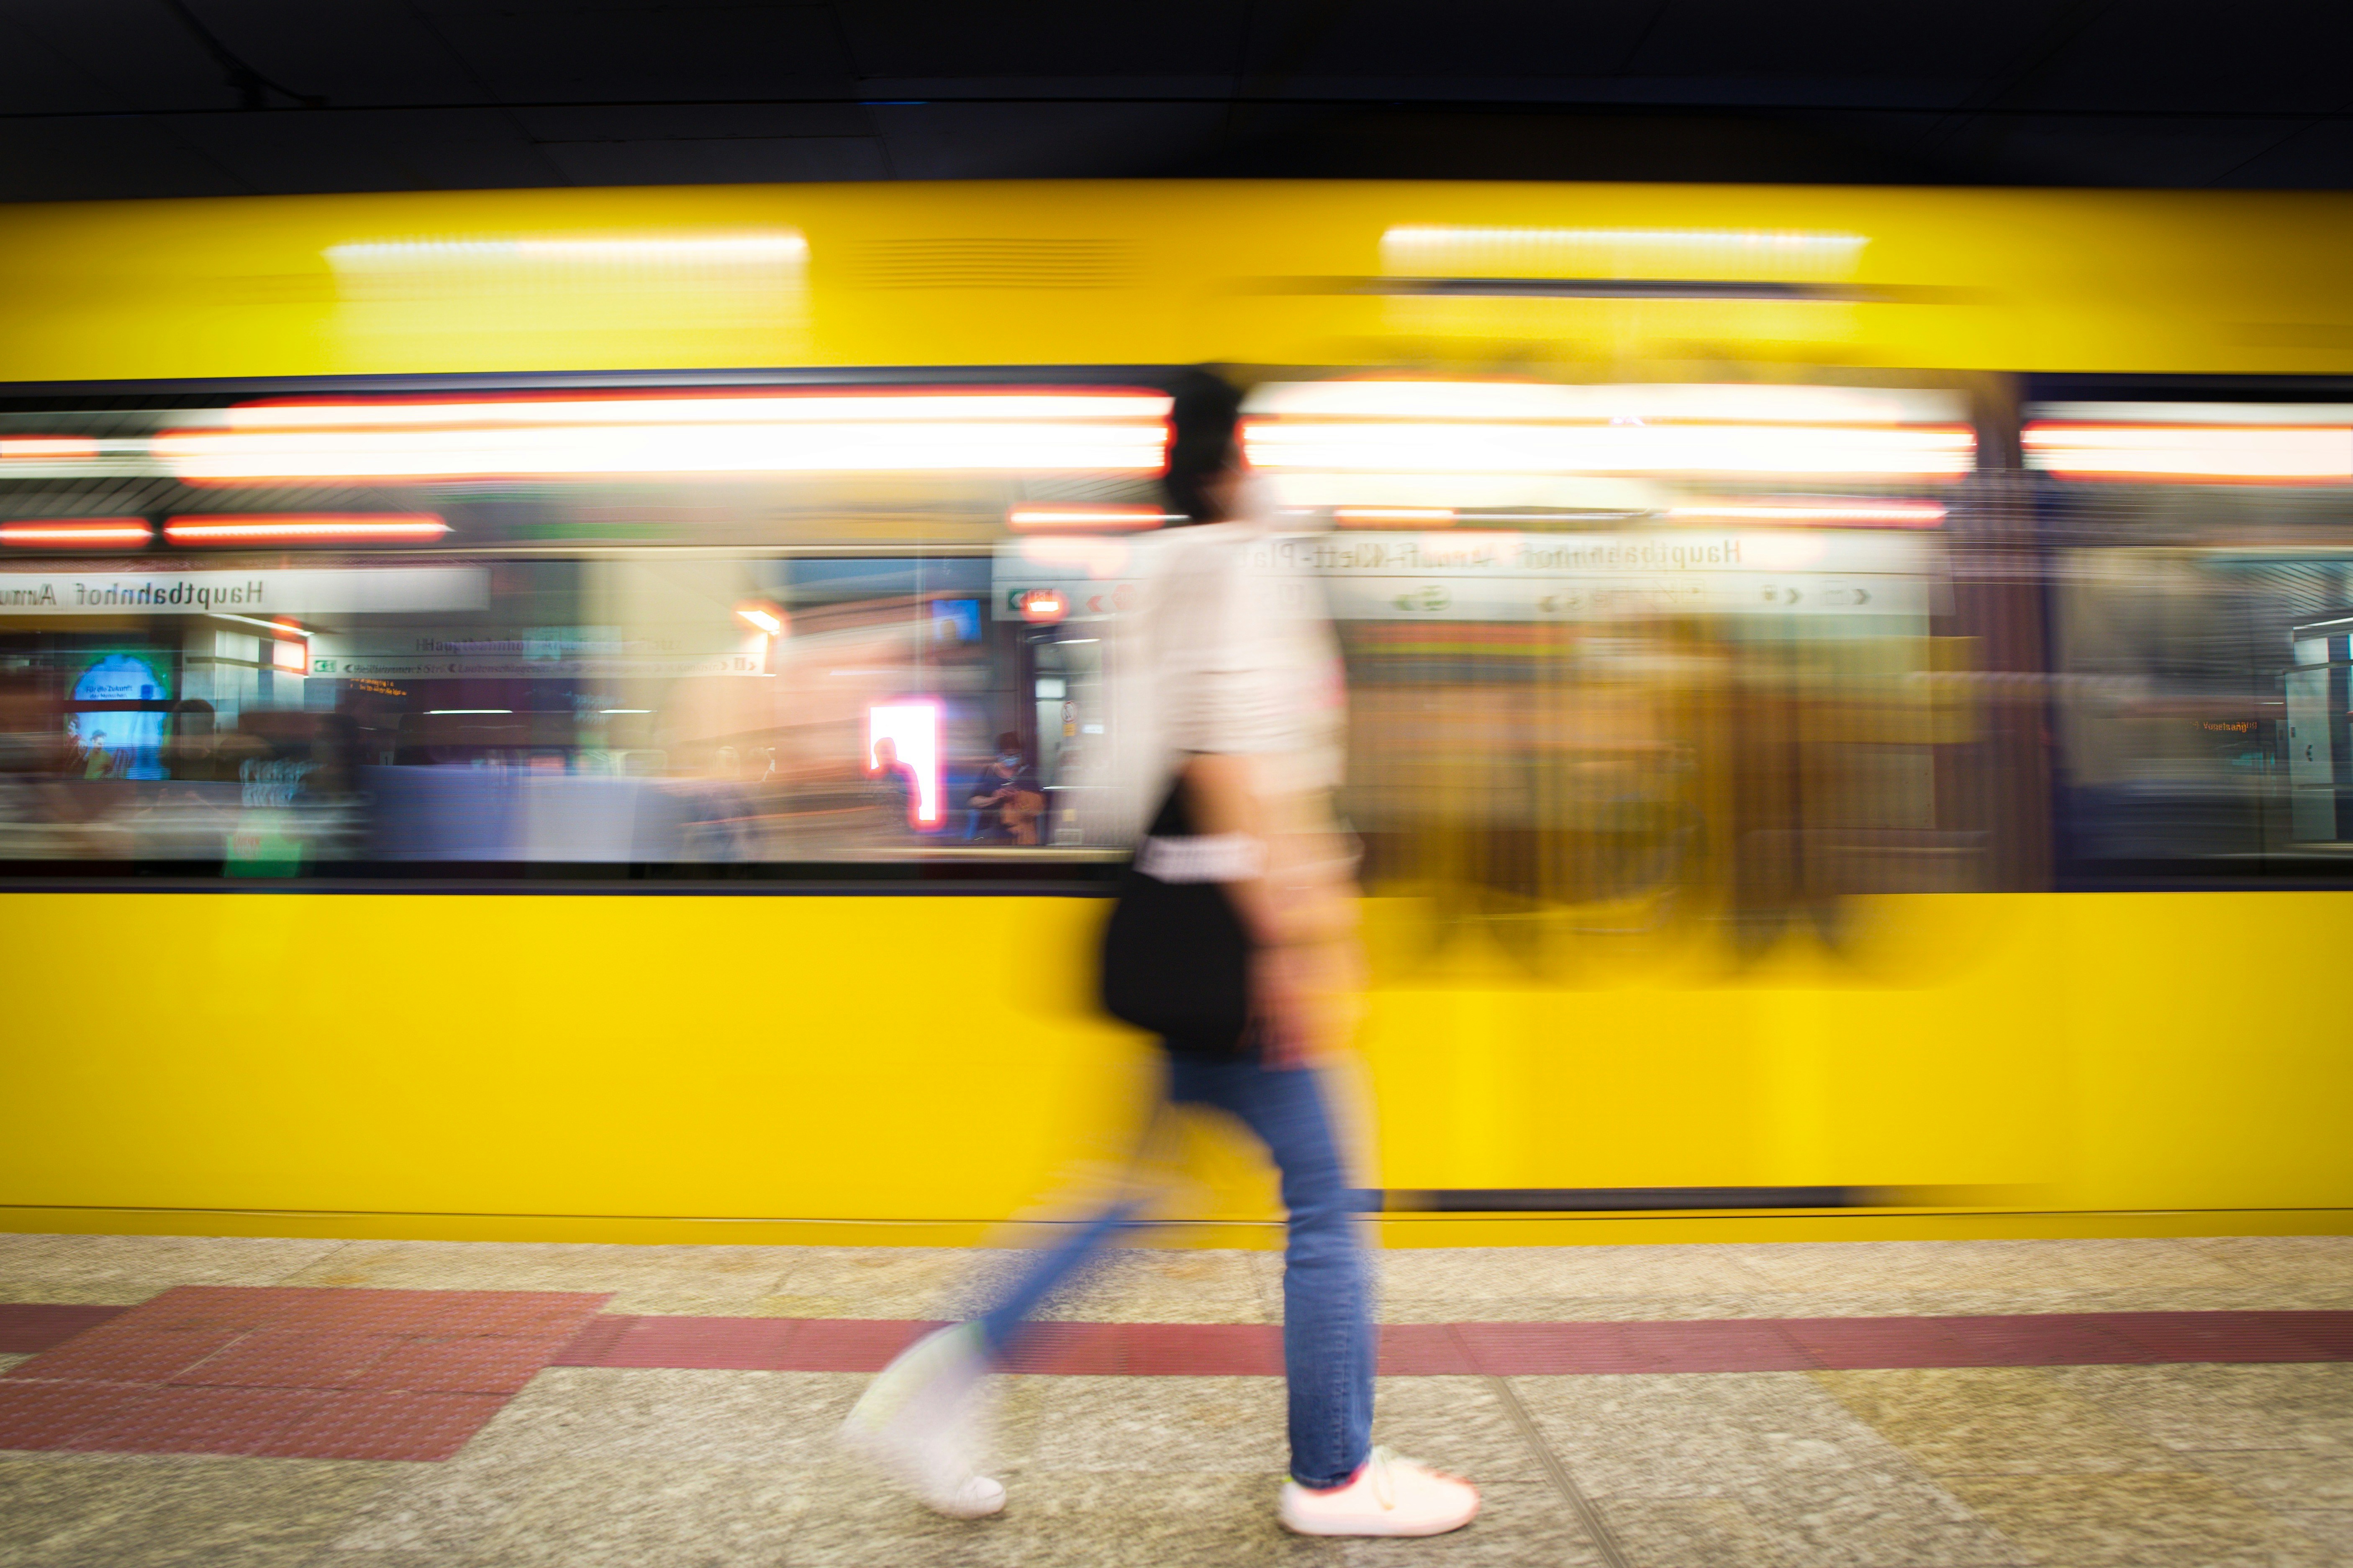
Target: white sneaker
921, 1419
1390, 1496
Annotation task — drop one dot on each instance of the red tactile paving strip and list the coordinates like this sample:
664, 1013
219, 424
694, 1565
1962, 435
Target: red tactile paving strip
310, 1373
1426, 1350
411, 1374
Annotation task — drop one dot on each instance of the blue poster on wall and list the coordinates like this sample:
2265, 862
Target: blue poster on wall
122, 743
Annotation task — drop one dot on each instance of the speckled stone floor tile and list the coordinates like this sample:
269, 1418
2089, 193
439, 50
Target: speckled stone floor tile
1197, 1424
2000, 1421
124, 1270
2333, 1528
134, 1510
1454, 1423
1843, 1267
1519, 1522
1821, 1485
653, 1514
650, 1413
741, 1273
2138, 1522
2195, 1408
2286, 1478
1475, 1273
1690, 1533
2320, 1260
588, 1433
1210, 1520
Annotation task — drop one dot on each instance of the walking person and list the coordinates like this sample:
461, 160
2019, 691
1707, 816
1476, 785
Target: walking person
1234, 940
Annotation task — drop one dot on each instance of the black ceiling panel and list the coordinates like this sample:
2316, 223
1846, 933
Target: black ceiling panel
119, 97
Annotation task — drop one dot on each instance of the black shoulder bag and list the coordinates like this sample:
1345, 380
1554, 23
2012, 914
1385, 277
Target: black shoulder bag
1175, 959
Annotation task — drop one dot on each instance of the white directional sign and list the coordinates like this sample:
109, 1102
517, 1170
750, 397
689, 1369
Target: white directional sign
296, 591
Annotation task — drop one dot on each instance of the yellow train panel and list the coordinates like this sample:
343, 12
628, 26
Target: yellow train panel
1124, 273
789, 1067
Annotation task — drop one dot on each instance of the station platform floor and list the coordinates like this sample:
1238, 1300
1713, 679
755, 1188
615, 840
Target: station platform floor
395, 1405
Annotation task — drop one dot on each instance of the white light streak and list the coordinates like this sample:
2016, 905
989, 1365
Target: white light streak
1047, 519
1857, 514
1903, 452
262, 528
2307, 454
96, 532
1075, 432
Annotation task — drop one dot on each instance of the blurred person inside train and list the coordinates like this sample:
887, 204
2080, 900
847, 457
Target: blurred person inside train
1234, 940
897, 788
1005, 797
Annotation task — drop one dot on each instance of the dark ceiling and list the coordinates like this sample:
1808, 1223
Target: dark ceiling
160, 97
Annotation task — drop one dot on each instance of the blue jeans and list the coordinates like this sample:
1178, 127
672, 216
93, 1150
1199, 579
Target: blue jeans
1327, 1332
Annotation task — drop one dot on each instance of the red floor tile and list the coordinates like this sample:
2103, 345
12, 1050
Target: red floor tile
290, 1358
198, 1421
1506, 1348
2331, 1333
125, 1352
485, 1364
595, 1339
742, 1344
382, 1424
2049, 1340
227, 1308
1204, 1350
2210, 1336
29, 1328
1857, 1343
1424, 1350
50, 1415
1071, 1350
1716, 1344
849, 1344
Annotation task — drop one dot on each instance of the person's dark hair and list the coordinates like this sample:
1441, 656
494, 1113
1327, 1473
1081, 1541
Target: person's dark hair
1009, 741
1202, 441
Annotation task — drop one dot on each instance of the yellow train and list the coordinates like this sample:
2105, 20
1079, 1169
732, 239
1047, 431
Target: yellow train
1850, 705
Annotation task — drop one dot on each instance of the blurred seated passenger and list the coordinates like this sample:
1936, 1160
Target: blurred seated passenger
1007, 799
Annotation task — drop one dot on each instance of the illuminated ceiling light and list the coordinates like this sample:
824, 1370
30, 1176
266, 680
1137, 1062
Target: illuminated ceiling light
1438, 250
1394, 517
759, 247
1835, 514
2244, 454
1040, 518
323, 528
1110, 432
46, 449
764, 618
447, 710
81, 534
1873, 452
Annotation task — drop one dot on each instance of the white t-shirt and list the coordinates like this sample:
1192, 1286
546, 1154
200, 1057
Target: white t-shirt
1228, 651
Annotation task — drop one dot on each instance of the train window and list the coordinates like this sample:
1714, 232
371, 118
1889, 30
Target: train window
1619, 655
756, 630
2201, 587
1625, 658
